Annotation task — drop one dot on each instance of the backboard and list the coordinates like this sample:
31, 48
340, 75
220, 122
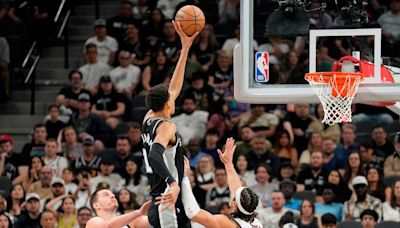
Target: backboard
364, 44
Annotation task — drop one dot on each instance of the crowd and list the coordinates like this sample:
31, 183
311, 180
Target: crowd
304, 172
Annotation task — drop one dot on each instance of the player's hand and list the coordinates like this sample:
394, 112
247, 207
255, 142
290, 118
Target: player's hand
169, 199
145, 207
227, 156
185, 39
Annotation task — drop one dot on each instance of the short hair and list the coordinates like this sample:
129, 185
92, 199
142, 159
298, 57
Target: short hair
350, 126
39, 125
72, 72
53, 106
370, 212
90, 45
189, 97
328, 218
134, 125
380, 125
157, 97
212, 131
93, 197
50, 212
51, 140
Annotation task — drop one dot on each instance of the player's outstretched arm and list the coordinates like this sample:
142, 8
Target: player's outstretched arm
119, 221
226, 157
176, 82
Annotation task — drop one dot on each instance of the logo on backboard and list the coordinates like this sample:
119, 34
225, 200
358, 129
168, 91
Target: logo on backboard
262, 67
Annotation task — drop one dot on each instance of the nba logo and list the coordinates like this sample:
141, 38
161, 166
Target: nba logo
262, 67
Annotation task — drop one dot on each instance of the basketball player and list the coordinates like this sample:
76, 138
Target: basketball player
163, 154
244, 200
105, 205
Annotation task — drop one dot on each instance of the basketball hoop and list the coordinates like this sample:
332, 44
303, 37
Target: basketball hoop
336, 91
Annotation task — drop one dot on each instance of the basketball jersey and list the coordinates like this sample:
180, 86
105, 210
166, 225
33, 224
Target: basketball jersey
243, 224
173, 156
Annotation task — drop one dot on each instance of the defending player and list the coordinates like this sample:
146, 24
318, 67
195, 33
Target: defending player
163, 155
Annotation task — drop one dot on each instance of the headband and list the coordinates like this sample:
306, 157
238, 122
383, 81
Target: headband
237, 197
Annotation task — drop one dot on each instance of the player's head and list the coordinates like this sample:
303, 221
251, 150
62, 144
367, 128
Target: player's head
103, 200
158, 100
245, 202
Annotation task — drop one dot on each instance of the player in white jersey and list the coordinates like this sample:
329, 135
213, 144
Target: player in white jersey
244, 201
105, 205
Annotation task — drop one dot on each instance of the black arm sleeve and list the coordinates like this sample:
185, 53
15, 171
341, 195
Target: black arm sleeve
156, 161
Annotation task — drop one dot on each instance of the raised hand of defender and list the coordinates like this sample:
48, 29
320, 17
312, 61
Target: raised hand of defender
227, 156
185, 39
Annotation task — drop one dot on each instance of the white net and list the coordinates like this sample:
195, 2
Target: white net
336, 92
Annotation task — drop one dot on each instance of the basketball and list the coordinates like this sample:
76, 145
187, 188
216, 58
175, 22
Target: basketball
191, 18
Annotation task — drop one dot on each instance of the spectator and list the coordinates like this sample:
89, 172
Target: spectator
17, 197
230, 43
329, 204
205, 46
288, 189
126, 201
220, 74
246, 173
348, 142
202, 92
117, 25
93, 69
353, 208
287, 220
13, 165
297, 123
277, 47
331, 160
52, 160
323, 19
314, 177
42, 187
108, 103
156, 73
168, 7
30, 218
134, 181
353, 167
205, 172
68, 176
35, 166
270, 216
66, 218
5, 221
4, 62
328, 221
293, 70
370, 157
105, 176
58, 194
264, 187
369, 218
286, 172
36, 147
67, 98
391, 208
211, 139
169, 42
48, 219
376, 187
220, 193
263, 123
123, 152
380, 140
389, 22
106, 45
71, 148
341, 189
54, 125
307, 215
261, 153
89, 161
284, 148
192, 122
153, 29
135, 139
392, 162
126, 76
133, 43
327, 131
315, 143
86, 123
82, 193
84, 214
244, 146
194, 152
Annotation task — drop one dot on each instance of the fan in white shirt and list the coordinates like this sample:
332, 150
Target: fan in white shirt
105, 176
52, 160
126, 76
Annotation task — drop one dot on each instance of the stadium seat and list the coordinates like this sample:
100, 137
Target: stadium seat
388, 224
305, 195
350, 224
5, 187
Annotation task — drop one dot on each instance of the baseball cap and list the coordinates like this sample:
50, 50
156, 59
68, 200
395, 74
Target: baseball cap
88, 140
57, 180
359, 180
32, 196
84, 97
5, 138
290, 225
105, 78
99, 23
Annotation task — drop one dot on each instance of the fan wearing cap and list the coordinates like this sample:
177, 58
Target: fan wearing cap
12, 165
107, 46
108, 103
89, 160
244, 201
353, 208
93, 69
58, 190
31, 217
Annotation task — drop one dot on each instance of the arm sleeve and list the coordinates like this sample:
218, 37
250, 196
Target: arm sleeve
189, 201
156, 161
